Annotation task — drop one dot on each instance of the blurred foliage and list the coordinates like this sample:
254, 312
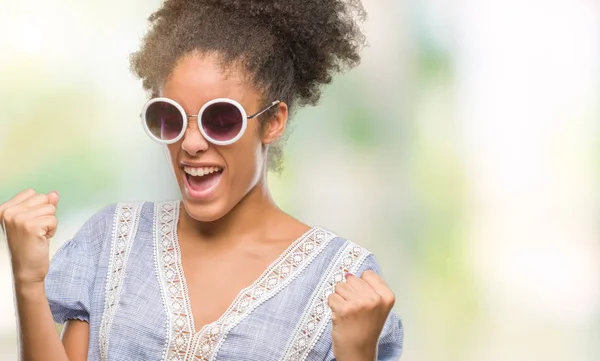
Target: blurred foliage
438, 218
49, 112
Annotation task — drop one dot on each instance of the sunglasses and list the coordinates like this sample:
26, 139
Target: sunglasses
221, 121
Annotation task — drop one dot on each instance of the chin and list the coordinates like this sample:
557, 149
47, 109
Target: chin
204, 212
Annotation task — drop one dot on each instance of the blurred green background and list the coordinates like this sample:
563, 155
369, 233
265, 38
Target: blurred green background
463, 152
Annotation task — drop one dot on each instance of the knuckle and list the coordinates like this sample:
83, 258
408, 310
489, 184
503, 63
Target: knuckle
330, 298
370, 302
30, 226
373, 304
345, 311
18, 218
354, 281
369, 274
9, 214
390, 299
29, 192
377, 299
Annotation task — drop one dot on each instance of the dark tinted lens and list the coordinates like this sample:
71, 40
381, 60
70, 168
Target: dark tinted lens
222, 121
164, 120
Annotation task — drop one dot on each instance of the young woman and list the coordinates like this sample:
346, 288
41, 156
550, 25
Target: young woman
223, 273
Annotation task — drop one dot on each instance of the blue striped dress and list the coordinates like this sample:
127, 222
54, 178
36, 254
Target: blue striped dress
122, 273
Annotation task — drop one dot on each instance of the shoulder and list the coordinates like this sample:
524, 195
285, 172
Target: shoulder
99, 227
340, 255
124, 210
94, 237
350, 248
104, 219
351, 253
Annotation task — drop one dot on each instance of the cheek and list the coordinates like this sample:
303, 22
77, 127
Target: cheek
171, 152
245, 160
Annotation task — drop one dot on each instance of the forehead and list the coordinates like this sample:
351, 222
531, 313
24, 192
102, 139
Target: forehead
197, 78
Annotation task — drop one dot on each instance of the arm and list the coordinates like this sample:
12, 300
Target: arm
38, 339
76, 338
29, 221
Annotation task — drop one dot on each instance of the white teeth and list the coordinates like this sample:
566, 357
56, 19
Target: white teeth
199, 172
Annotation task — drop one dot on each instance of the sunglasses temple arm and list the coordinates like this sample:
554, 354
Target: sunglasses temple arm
264, 110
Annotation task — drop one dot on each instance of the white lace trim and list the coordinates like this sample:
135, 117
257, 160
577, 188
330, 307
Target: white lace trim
183, 343
124, 229
172, 283
318, 314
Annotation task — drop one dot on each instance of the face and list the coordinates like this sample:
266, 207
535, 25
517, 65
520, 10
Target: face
213, 179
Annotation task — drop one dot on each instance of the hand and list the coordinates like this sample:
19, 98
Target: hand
29, 221
359, 309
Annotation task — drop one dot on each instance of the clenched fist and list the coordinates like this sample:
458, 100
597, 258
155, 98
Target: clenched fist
359, 309
29, 221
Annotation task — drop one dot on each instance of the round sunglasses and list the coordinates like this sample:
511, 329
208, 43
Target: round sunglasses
221, 121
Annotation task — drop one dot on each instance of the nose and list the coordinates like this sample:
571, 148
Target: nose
193, 141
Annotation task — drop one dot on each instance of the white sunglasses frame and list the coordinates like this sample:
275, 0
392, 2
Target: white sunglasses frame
185, 117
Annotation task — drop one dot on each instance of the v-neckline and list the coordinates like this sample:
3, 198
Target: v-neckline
254, 284
183, 339
242, 291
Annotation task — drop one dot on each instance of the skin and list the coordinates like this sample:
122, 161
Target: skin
236, 233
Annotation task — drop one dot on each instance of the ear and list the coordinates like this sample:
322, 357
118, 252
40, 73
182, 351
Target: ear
275, 126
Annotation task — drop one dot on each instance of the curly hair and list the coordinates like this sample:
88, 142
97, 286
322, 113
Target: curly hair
288, 48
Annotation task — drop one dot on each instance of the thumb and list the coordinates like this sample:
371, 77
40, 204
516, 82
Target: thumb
53, 198
51, 232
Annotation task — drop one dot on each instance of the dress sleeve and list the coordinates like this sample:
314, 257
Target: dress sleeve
71, 278
392, 336
391, 339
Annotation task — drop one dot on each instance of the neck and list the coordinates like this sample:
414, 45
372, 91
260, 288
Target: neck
249, 217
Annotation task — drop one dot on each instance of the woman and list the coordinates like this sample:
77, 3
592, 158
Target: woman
223, 274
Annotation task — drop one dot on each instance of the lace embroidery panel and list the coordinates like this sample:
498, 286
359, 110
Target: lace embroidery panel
318, 314
124, 229
170, 272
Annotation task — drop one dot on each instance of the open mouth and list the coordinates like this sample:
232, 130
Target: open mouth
202, 181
